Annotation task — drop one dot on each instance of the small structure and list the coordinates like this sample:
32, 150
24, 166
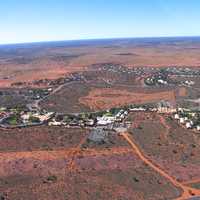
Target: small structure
25, 117
188, 125
43, 117
74, 122
3, 108
153, 109
54, 123
189, 83
105, 120
176, 116
182, 120
137, 109
162, 81
89, 122
191, 122
198, 127
166, 107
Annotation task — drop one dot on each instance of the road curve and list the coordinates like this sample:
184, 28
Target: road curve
188, 192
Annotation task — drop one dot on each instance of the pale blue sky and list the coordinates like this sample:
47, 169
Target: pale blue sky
46, 20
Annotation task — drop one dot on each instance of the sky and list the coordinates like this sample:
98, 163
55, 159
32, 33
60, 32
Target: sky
53, 20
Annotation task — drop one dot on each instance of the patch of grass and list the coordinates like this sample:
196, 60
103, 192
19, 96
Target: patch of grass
50, 179
12, 120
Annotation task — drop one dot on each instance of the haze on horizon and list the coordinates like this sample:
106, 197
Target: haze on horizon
53, 20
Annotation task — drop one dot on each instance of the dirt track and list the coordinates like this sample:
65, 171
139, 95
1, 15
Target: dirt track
187, 191
25, 160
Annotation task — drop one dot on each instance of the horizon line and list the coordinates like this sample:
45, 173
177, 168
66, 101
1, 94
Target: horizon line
93, 39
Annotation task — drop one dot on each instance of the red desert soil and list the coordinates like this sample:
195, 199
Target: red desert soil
39, 69
187, 191
182, 92
57, 161
107, 98
53, 62
114, 169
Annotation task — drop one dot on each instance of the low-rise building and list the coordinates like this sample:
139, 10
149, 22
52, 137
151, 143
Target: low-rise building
198, 127
25, 117
89, 122
102, 122
43, 117
176, 116
188, 125
137, 109
166, 110
162, 81
182, 120
54, 123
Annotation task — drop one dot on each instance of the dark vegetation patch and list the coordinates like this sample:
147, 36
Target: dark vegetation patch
67, 100
105, 184
40, 138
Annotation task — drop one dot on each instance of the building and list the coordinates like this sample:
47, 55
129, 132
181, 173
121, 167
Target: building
162, 81
25, 117
54, 123
166, 110
102, 121
198, 127
182, 120
188, 125
89, 122
176, 116
137, 109
43, 117
165, 107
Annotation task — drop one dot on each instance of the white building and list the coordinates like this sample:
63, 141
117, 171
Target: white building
176, 116
198, 127
188, 125
50, 89
137, 109
90, 122
153, 109
25, 117
43, 117
162, 81
191, 122
125, 112
54, 123
166, 110
182, 120
102, 121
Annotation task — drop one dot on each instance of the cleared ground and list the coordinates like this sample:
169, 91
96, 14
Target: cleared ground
102, 99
